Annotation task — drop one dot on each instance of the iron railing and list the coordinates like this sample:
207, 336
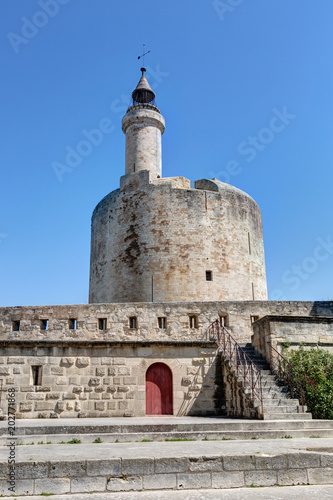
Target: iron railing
242, 365
287, 375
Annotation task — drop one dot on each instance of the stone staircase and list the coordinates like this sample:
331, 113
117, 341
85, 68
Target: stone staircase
277, 403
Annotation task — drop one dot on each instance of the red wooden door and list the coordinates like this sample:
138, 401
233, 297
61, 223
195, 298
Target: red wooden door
159, 390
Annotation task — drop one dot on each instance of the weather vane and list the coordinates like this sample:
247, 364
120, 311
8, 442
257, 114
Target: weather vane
144, 54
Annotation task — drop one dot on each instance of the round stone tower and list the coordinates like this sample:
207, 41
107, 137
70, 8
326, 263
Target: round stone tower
157, 240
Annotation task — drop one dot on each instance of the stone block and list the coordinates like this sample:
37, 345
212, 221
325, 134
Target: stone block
99, 389
100, 372
123, 405
290, 477
106, 361
303, 460
112, 405
88, 389
49, 485
52, 396
118, 395
112, 371
10, 380
94, 396
106, 381
73, 380
130, 395
18, 360
81, 362
77, 390
111, 388
241, 462
24, 406
137, 467
36, 396
60, 406
123, 389
159, 482
100, 406
130, 380
260, 478
117, 380
187, 381
106, 396
4, 370
67, 361
43, 388
124, 370
205, 464
320, 476
104, 467
119, 361
271, 462
326, 460
57, 370
68, 395
124, 484
22, 487
228, 479
94, 381
165, 465
27, 388
31, 470
194, 481
61, 381
67, 469
43, 406
16, 370
88, 484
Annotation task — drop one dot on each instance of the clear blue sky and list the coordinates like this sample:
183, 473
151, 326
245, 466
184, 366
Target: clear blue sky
222, 72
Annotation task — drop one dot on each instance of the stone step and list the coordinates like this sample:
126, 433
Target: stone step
196, 428
223, 435
116, 467
286, 416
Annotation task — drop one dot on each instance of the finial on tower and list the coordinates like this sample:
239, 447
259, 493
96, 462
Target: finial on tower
143, 94
143, 69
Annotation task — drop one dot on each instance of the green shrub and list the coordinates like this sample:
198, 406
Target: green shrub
316, 369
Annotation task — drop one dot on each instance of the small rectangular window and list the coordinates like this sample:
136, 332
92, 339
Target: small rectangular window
36, 372
193, 321
133, 322
44, 324
162, 322
16, 326
223, 320
209, 276
102, 323
254, 318
72, 324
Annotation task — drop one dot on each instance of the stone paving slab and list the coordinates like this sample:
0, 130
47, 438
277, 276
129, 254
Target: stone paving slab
155, 424
165, 449
270, 493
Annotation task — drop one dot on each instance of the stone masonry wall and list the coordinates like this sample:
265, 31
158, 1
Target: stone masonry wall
308, 331
238, 317
154, 240
106, 381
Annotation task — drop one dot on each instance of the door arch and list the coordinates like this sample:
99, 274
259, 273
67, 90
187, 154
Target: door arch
159, 390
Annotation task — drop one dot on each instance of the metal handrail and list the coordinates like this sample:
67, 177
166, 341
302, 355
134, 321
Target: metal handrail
287, 375
240, 362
